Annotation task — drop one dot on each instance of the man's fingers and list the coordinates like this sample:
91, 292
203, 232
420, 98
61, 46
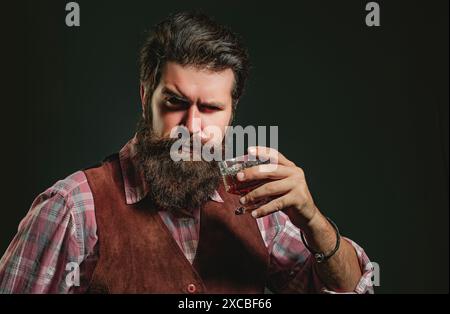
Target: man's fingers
271, 207
266, 190
261, 172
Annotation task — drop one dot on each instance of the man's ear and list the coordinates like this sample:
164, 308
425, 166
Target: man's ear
143, 96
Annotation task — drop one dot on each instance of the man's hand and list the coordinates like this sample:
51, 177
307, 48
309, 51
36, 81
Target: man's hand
290, 194
289, 191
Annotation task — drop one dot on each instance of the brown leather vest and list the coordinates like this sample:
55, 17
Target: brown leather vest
137, 253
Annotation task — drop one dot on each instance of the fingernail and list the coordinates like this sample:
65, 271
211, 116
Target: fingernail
254, 214
242, 200
240, 176
252, 150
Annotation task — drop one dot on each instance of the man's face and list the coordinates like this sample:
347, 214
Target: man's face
186, 94
196, 99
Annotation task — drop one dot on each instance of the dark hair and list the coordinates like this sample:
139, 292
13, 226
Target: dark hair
192, 38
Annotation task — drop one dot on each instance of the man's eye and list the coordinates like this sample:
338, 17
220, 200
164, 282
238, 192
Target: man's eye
174, 103
209, 108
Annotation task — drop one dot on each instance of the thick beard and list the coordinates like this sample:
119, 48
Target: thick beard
178, 186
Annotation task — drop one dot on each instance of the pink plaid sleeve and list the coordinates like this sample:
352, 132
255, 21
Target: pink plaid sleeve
58, 229
292, 265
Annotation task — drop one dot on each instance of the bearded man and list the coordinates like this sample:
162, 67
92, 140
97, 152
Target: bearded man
141, 222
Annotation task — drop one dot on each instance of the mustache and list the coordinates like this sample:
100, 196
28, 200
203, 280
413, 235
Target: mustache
161, 146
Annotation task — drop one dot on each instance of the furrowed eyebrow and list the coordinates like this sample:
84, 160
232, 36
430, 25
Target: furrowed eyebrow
170, 93
212, 104
174, 94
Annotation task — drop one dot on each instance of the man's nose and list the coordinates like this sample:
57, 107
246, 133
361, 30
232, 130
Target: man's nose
193, 120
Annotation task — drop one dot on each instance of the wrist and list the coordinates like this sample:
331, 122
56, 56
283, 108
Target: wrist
316, 225
320, 235
305, 218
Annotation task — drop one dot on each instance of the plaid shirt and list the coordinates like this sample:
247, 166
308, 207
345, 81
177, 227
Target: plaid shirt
60, 228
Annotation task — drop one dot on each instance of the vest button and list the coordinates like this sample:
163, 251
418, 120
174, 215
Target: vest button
191, 288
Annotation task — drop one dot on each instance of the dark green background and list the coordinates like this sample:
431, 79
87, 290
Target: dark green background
363, 110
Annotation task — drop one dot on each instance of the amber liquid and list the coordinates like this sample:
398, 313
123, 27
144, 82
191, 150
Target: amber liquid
234, 186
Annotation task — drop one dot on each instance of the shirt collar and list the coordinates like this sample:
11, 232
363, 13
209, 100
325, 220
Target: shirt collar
133, 180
